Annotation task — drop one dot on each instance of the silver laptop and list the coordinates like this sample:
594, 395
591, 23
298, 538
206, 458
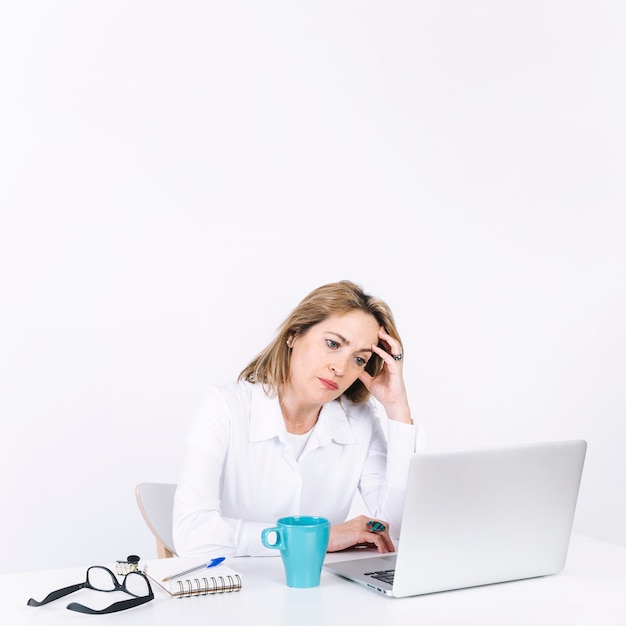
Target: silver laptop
479, 516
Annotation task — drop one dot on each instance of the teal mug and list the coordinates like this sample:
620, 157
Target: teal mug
302, 541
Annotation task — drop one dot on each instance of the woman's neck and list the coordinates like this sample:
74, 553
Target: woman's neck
299, 418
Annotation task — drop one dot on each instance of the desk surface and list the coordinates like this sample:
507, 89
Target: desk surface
590, 590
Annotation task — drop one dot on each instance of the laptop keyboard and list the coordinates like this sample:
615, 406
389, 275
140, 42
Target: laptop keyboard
385, 576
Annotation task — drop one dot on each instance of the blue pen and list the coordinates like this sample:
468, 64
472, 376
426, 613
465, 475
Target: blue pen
211, 563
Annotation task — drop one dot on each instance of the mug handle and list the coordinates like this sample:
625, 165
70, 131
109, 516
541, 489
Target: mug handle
279, 539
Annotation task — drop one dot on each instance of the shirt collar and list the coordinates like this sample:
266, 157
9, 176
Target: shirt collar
266, 420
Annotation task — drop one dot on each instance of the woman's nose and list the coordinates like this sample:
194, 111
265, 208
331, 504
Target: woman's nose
338, 366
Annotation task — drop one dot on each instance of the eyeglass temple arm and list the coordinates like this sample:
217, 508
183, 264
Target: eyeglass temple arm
117, 606
55, 595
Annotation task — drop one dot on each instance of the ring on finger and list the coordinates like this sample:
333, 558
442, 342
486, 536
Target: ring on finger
397, 357
376, 527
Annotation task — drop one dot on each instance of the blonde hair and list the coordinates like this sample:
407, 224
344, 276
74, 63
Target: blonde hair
271, 366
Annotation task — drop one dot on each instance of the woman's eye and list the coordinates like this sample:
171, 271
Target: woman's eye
360, 361
332, 344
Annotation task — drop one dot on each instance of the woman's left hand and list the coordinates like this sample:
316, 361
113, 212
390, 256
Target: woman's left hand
388, 386
356, 532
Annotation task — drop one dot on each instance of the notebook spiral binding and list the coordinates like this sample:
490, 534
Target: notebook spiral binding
205, 586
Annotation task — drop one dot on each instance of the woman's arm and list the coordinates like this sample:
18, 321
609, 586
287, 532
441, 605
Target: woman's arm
199, 526
198, 523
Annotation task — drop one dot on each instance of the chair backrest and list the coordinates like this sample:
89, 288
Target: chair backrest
156, 503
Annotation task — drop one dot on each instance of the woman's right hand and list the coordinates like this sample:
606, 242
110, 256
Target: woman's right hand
357, 532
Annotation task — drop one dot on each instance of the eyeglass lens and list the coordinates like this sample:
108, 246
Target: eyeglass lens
136, 584
103, 579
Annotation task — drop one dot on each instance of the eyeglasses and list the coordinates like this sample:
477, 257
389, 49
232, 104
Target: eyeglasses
103, 579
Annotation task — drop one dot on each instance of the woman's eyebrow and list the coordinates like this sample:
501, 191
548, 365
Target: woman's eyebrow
344, 340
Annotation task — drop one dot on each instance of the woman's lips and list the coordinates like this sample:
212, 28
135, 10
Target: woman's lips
329, 384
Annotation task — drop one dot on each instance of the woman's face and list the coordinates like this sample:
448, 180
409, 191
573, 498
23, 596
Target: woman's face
329, 357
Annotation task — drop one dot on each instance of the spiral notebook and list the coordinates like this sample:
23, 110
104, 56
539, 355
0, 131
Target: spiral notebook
206, 581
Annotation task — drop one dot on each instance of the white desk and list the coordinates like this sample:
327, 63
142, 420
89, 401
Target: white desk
591, 590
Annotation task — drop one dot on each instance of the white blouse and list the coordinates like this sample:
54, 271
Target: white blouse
240, 474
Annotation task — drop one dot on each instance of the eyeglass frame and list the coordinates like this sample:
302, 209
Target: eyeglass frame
113, 608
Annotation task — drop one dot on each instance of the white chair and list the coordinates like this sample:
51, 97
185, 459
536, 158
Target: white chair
156, 503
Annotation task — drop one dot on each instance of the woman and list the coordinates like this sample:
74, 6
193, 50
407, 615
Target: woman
298, 433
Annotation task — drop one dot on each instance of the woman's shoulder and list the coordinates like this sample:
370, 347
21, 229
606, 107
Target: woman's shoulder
229, 393
223, 404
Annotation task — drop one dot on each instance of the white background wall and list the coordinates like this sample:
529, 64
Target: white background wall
175, 176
